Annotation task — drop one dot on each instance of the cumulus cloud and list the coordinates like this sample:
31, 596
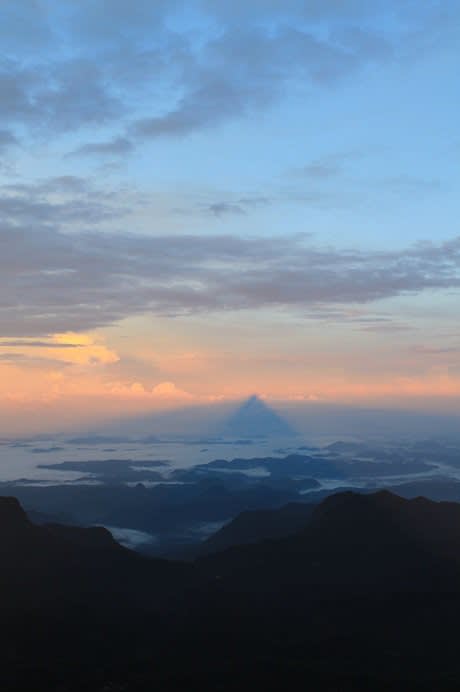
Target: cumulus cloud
166, 391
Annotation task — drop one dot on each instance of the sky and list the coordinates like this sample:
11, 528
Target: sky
204, 200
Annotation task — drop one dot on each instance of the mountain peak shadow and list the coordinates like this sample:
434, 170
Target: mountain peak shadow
254, 418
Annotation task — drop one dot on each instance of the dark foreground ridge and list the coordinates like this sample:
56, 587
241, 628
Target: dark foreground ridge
345, 595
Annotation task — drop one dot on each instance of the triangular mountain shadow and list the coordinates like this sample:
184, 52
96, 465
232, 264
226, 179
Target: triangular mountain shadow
255, 419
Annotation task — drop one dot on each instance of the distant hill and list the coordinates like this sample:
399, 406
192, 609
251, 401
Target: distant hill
258, 525
348, 542
353, 543
254, 418
45, 567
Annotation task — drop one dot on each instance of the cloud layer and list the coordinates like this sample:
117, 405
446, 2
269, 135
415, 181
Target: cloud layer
168, 69
51, 281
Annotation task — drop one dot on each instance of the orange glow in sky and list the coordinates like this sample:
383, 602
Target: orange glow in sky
95, 375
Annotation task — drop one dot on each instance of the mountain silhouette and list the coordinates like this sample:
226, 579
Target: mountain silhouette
348, 601
254, 418
353, 543
253, 526
53, 566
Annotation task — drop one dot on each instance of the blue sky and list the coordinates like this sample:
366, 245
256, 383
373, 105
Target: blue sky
342, 123
175, 169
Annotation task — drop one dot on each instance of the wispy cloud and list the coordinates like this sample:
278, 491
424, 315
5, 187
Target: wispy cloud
30, 343
117, 146
54, 282
241, 205
59, 200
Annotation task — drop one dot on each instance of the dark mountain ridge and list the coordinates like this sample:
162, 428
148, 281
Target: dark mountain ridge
53, 566
348, 541
353, 543
346, 602
258, 525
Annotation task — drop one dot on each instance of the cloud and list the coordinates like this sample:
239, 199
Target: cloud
320, 170
168, 390
409, 185
148, 73
220, 208
240, 206
85, 350
224, 208
56, 201
29, 343
440, 351
325, 167
88, 350
52, 281
117, 146
7, 140
245, 69
10, 357
56, 96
